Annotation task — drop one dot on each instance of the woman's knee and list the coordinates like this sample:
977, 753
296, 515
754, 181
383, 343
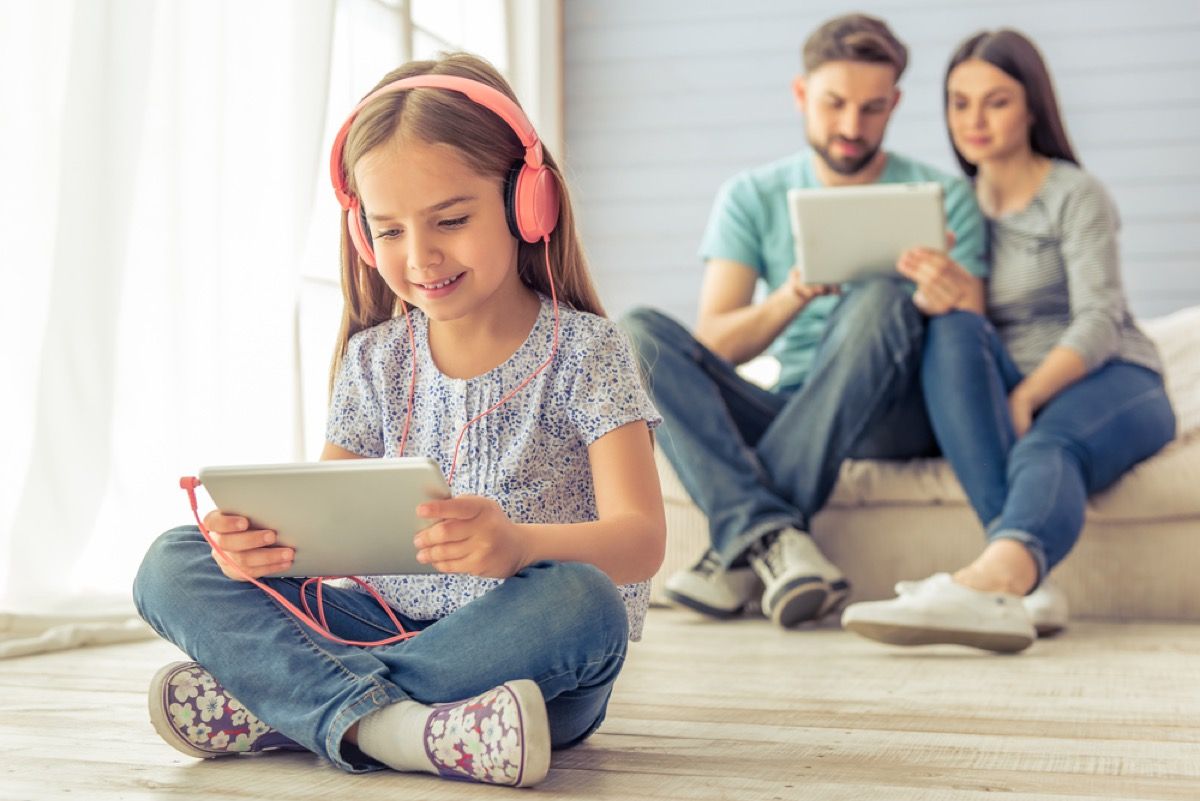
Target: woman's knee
955, 330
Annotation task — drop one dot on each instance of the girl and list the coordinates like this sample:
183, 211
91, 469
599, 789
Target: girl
533, 409
1059, 394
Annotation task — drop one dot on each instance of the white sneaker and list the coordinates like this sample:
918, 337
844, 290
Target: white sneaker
940, 610
800, 584
712, 590
1047, 608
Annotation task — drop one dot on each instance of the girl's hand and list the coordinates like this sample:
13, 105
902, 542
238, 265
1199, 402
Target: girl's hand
250, 549
1020, 406
941, 281
472, 535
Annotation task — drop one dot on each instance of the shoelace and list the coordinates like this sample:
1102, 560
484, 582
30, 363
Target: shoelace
772, 557
709, 563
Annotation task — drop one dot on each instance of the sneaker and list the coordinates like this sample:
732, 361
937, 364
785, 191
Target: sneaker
501, 736
940, 610
710, 589
800, 584
195, 715
1047, 608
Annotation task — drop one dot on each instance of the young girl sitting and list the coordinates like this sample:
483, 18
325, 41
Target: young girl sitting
471, 335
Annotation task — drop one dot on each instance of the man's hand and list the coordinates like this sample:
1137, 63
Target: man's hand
472, 535
803, 293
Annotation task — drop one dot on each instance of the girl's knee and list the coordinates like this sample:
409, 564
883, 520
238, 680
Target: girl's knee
576, 596
166, 565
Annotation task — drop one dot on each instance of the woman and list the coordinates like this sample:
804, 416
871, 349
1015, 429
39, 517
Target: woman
1058, 394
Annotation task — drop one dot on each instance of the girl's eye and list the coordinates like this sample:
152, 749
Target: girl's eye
999, 103
457, 222
389, 233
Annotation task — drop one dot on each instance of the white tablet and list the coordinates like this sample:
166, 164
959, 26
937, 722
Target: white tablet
849, 232
347, 517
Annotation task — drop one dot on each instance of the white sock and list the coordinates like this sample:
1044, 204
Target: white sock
395, 735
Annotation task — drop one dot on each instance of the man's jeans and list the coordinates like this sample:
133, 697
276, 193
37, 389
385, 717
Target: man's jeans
561, 624
755, 461
1034, 489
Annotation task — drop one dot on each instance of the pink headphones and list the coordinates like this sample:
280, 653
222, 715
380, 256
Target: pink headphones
531, 198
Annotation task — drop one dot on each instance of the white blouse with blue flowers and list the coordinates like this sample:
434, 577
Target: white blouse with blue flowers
530, 455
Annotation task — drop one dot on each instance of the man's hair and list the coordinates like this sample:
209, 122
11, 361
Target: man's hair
855, 37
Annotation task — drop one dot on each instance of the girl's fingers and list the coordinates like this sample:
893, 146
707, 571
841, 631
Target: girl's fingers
243, 541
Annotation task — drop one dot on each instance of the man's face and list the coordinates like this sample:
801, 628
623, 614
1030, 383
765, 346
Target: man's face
846, 106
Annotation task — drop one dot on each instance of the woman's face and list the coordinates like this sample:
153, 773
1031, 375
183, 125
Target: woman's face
987, 113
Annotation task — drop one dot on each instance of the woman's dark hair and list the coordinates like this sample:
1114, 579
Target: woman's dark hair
1018, 58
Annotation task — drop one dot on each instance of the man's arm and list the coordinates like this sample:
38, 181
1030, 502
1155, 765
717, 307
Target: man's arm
734, 328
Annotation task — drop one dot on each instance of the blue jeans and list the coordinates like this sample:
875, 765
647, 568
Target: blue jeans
1034, 489
561, 624
754, 460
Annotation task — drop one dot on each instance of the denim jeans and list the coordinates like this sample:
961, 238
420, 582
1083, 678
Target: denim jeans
561, 624
755, 460
1034, 489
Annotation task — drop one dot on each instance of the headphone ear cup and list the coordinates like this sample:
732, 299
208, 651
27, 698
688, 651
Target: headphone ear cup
531, 201
360, 232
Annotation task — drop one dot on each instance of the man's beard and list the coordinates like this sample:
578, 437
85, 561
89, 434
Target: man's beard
845, 166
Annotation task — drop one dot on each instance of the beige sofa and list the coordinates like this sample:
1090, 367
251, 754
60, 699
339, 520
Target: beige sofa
1138, 556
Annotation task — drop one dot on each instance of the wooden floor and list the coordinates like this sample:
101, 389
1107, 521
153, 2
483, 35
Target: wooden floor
705, 711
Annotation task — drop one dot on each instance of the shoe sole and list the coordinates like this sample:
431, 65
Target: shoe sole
1050, 629
798, 602
703, 608
535, 729
894, 634
159, 702
835, 602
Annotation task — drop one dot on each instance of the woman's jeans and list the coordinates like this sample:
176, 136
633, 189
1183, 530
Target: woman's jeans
754, 460
1034, 489
563, 625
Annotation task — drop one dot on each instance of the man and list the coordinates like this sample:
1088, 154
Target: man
761, 463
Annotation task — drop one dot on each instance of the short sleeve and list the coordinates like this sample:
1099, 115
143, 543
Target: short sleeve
355, 415
732, 232
606, 389
970, 231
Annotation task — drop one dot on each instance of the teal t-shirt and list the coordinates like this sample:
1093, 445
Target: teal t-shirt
750, 224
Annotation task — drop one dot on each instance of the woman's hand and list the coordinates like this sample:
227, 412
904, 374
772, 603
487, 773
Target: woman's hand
1020, 406
252, 550
472, 535
942, 283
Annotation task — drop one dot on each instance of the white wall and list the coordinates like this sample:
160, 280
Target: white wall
666, 99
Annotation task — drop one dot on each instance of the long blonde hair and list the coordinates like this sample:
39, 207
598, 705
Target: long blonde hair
486, 144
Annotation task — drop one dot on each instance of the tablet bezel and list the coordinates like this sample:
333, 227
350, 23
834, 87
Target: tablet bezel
344, 517
862, 230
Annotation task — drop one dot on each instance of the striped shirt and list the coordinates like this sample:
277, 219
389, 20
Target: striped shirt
1056, 277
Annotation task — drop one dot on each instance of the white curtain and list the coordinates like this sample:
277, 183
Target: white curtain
159, 162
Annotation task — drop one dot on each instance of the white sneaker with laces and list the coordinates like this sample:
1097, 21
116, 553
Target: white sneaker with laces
1047, 608
800, 584
708, 588
940, 610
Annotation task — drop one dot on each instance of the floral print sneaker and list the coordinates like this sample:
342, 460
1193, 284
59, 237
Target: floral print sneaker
499, 737
192, 712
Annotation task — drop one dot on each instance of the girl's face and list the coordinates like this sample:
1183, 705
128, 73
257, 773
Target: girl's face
438, 229
987, 114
